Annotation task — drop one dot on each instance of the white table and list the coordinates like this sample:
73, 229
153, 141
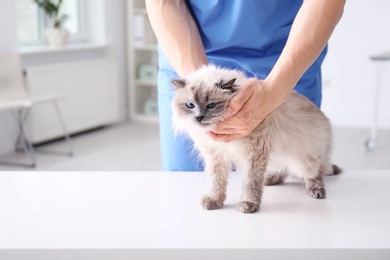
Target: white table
72, 211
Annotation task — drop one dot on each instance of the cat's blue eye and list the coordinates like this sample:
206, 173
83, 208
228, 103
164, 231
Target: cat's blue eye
190, 105
211, 105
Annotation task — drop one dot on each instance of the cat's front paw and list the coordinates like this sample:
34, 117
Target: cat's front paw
247, 207
317, 193
210, 204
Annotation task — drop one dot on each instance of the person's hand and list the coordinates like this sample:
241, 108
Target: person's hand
254, 101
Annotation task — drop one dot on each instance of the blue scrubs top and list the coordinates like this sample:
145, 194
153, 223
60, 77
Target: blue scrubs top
239, 34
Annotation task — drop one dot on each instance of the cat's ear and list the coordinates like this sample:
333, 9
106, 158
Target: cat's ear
178, 83
229, 85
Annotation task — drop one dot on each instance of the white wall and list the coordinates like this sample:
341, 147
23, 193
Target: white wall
114, 30
348, 74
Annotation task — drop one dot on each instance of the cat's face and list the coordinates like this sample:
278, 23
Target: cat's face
202, 103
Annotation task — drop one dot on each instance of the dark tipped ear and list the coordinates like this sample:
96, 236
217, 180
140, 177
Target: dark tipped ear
179, 83
229, 85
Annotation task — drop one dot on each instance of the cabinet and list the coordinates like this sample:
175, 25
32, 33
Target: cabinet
142, 64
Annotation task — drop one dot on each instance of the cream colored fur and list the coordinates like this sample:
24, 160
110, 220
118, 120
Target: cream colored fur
295, 139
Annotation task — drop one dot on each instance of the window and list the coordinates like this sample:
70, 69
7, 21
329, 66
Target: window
32, 21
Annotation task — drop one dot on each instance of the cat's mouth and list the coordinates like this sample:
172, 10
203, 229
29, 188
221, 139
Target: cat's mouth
201, 120
206, 125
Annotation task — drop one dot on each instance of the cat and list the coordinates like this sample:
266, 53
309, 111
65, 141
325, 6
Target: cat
295, 139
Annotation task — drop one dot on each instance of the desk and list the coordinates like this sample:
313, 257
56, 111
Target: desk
378, 59
130, 210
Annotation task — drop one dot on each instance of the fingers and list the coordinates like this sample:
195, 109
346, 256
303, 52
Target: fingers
225, 131
224, 138
239, 100
232, 122
233, 128
242, 123
241, 116
233, 131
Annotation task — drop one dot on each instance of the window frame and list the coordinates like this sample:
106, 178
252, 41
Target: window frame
44, 22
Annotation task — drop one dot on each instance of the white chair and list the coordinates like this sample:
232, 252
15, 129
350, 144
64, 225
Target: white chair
14, 97
19, 108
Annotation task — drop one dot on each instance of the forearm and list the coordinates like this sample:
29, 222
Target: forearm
309, 34
177, 34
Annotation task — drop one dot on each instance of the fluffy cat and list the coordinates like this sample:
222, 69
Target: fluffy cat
295, 139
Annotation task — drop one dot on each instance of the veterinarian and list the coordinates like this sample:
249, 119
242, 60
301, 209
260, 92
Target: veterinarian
281, 44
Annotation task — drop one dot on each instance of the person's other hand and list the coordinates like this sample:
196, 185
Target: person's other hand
253, 102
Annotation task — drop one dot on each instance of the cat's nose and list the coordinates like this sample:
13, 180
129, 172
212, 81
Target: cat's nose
199, 118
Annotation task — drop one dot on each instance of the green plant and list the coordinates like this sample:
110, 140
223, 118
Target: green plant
52, 9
